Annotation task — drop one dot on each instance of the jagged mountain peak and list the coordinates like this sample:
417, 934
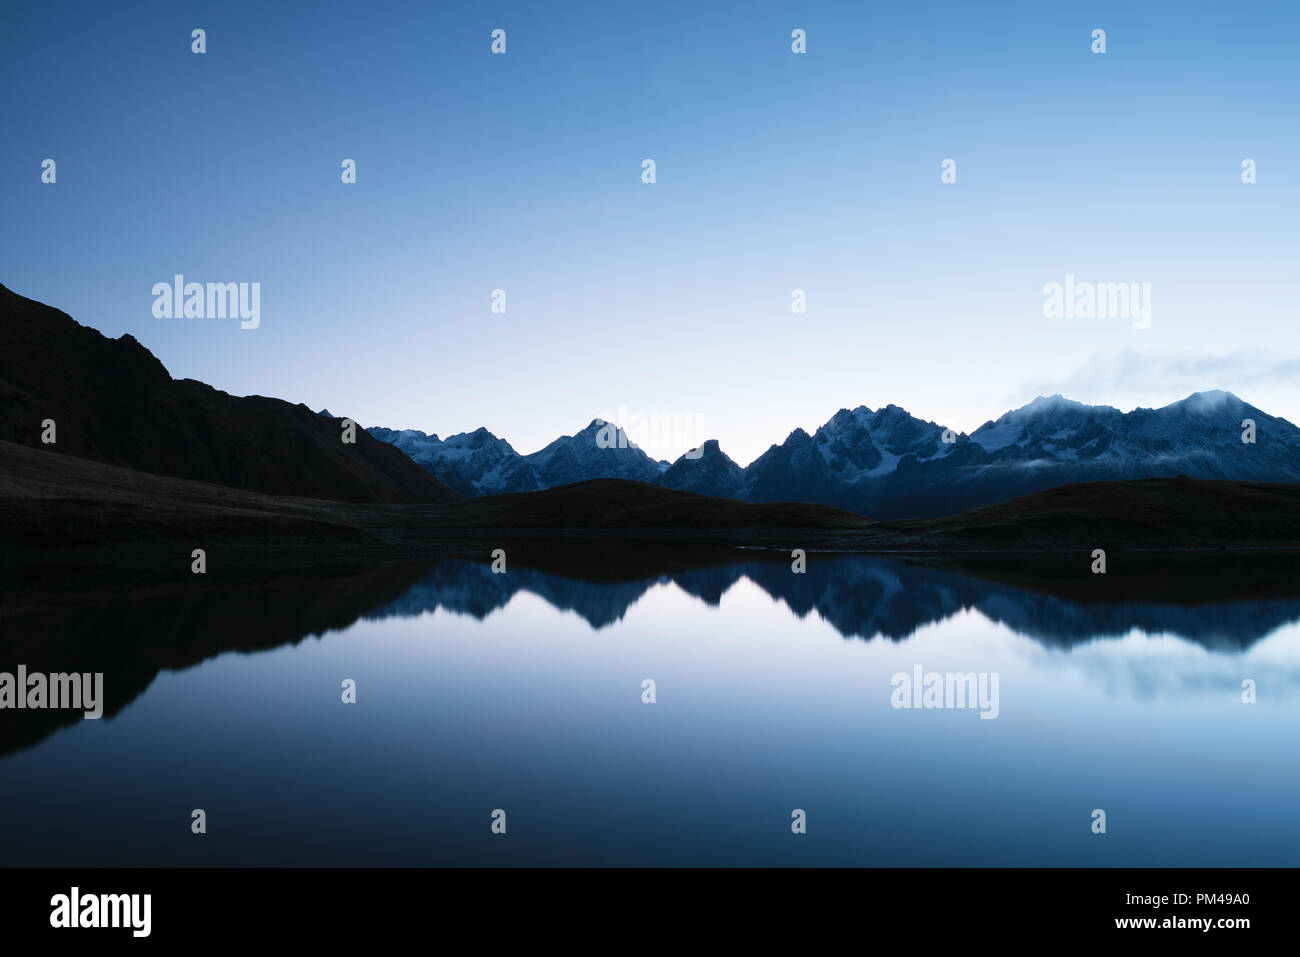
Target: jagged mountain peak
709, 449
601, 450
707, 470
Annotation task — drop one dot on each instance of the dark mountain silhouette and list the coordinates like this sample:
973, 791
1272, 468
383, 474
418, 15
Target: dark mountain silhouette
112, 401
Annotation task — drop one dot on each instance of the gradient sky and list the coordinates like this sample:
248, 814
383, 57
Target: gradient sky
776, 171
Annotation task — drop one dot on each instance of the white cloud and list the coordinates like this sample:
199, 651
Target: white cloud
1131, 378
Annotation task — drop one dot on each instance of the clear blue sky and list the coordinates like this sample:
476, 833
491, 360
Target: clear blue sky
775, 171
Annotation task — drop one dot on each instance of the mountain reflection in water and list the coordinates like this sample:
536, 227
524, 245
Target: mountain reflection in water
523, 690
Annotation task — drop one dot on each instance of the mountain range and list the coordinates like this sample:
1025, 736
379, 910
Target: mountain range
478, 463
112, 401
889, 464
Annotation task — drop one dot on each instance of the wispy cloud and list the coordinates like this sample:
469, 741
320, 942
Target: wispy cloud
1133, 378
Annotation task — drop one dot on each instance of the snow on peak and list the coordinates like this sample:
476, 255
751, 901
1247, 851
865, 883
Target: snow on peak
1207, 402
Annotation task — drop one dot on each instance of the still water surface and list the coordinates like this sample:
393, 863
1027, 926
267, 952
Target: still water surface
523, 692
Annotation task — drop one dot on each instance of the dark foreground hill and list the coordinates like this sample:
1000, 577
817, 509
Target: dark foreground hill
51, 502
112, 401
1154, 513
614, 504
